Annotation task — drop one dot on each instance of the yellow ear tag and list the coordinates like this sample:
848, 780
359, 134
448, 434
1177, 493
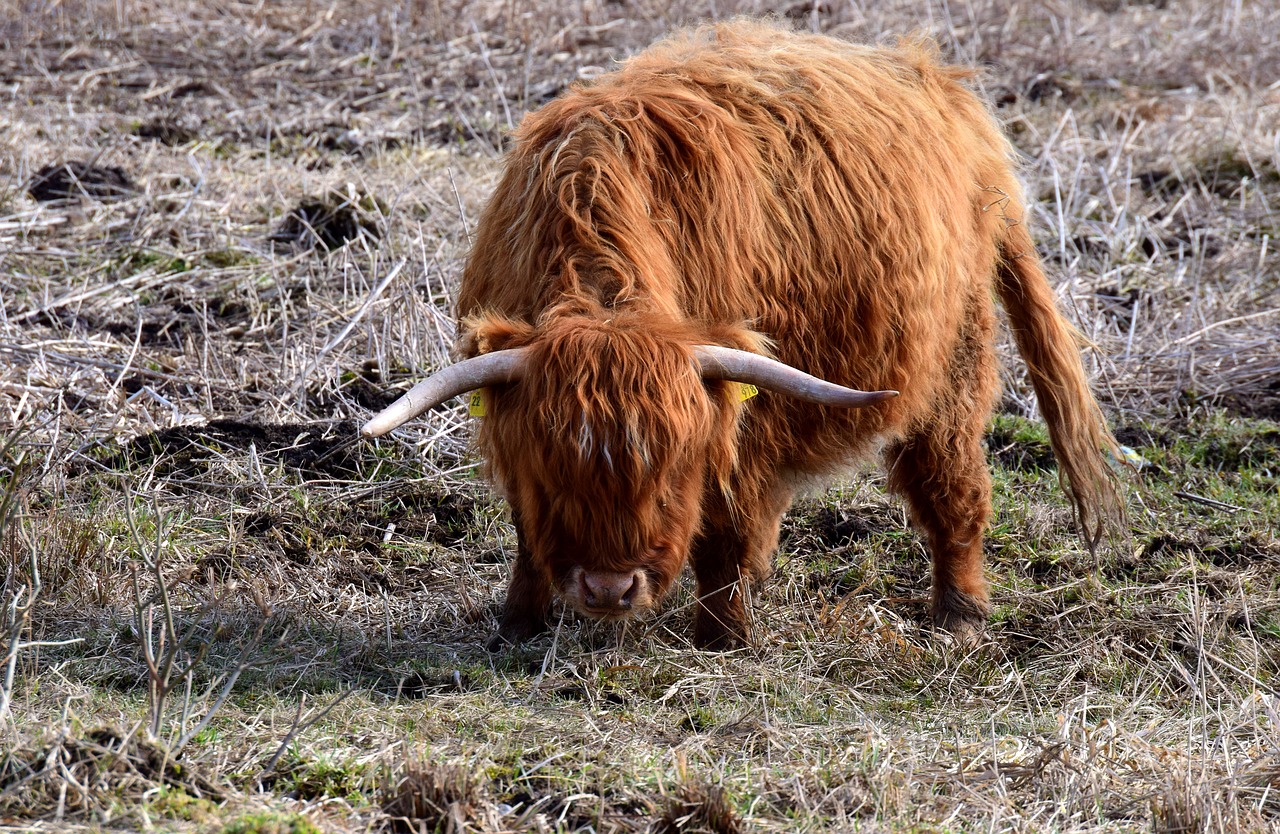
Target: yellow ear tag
746, 391
475, 403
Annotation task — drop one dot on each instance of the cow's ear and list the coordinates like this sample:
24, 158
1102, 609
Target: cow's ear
741, 337
488, 332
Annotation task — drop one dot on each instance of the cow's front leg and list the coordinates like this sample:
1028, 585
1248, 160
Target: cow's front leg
524, 613
734, 550
720, 619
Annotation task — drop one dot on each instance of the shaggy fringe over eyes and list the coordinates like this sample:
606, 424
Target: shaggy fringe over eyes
612, 407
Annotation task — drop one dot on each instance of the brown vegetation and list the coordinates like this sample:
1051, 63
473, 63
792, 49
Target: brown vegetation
177, 391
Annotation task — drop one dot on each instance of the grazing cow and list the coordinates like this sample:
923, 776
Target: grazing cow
742, 204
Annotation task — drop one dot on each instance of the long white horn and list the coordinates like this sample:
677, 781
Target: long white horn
719, 362
468, 375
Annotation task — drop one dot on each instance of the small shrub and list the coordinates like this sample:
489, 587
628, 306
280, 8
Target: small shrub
270, 823
699, 809
440, 797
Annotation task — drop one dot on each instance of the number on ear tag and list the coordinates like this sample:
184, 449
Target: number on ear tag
475, 403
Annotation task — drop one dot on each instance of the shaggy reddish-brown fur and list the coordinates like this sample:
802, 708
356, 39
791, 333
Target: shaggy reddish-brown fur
851, 210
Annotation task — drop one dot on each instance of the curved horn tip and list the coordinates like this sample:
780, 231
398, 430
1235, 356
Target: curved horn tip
477, 372
377, 428
390, 418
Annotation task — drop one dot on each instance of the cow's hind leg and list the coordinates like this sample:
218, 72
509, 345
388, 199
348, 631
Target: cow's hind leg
948, 491
940, 468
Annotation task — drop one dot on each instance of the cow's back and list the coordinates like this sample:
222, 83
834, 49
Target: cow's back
844, 201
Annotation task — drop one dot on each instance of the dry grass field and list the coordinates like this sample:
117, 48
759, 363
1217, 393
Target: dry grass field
229, 230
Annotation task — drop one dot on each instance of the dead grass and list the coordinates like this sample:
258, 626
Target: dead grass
179, 388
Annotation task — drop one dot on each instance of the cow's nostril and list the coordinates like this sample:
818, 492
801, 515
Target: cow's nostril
628, 593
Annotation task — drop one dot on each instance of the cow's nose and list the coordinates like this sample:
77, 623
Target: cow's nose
606, 589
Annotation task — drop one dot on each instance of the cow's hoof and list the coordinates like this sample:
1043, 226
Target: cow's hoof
718, 639
963, 633
513, 633
963, 617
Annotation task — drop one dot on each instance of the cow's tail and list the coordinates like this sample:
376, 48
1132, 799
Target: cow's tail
1050, 347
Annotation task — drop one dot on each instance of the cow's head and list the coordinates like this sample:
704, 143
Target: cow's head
604, 431
603, 448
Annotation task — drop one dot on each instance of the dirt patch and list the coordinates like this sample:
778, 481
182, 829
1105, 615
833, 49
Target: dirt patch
1141, 436
1229, 552
444, 518
329, 222
1262, 403
168, 130
834, 527
314, 449
1118, 303
364, 387
364, 531
75, 179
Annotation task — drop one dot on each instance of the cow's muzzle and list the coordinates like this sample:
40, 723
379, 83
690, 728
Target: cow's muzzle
608, 594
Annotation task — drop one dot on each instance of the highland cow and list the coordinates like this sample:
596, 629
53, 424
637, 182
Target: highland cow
744, 205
